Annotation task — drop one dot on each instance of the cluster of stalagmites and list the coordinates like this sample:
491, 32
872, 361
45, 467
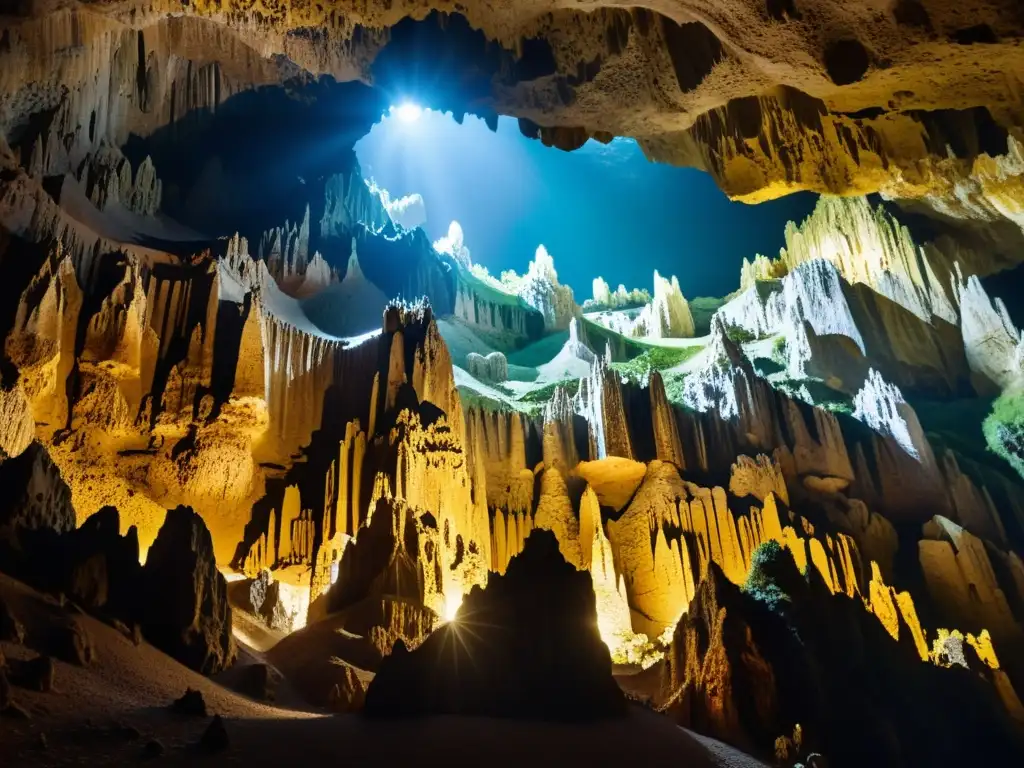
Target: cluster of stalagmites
744, 547
665, 316
177, 600
404, 504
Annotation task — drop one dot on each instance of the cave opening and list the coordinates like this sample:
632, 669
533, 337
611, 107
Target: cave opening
522, 362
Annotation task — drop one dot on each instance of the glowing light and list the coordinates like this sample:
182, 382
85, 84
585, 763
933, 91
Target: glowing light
407, 112
451, 605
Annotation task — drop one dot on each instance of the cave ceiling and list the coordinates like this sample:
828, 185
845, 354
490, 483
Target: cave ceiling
910, 98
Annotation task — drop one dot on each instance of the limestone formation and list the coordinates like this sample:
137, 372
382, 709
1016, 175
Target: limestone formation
187, 612
36, 496
736, 514
540, 289
18, 428
991, 340
519, 653
668, 315
962, 581
349, 694
492, 367
881, 405
744, 664
605, 298
876, 121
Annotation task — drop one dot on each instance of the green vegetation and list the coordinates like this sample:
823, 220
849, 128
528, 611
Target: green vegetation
739, 335
674, 388
970, 428
472, 399
655, 359
545, 393
814, 392
779, 352
766, 366
773, 577
702, 308
540, 352
488, 291
1004, 429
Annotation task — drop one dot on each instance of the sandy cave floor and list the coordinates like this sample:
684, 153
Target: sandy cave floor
106, 713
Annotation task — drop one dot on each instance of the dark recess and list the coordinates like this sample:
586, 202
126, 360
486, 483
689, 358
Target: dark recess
846, 61
783, 10
911, 13
694, 51
537, 60
981, 34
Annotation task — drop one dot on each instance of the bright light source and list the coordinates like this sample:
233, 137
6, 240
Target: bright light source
408, 112
452, 602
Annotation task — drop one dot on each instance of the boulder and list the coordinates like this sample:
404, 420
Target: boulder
186, 613
67, 639
102, 568
215, 737
512, 651
259, 681
34, 494
36, 674
492, 367
191, 703
11, 630
349, 693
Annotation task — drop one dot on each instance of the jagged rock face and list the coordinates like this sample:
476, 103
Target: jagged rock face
905, 326
745, 666
511, 651
605, 298
872, 104
541, 290
187, 614
39, 544
36, 496
102, 566
668, 315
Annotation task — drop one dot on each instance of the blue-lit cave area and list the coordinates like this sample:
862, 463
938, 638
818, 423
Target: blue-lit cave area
512, 383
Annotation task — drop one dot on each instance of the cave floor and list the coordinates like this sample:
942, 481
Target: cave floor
107, 712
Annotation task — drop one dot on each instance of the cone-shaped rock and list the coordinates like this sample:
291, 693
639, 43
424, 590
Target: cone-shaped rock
187, 613
526, 647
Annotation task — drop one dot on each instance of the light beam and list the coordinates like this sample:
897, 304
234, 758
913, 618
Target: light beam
408, 112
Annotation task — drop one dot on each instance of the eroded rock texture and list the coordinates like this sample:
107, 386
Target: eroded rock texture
186, 609
746, 665
295, 403
768, 98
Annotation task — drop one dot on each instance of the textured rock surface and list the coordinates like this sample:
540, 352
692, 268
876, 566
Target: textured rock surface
36, 496
540, 289
871, 104
744, 665
509, 652
187, 612
492, 367
322, 445
668, 315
